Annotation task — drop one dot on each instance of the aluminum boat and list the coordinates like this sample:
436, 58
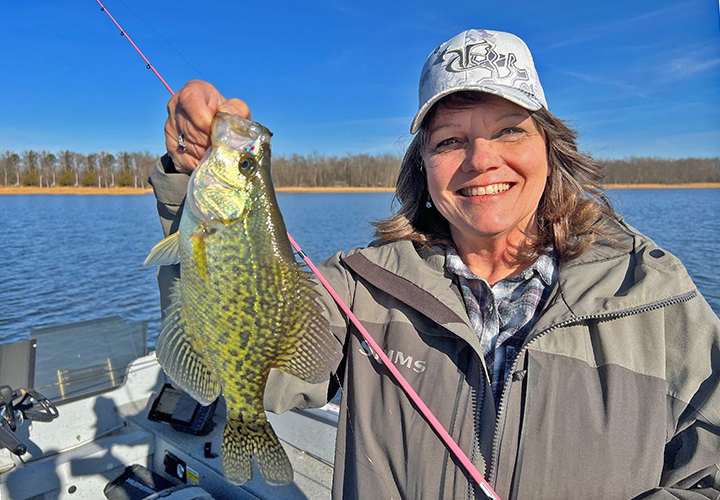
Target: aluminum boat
79, 406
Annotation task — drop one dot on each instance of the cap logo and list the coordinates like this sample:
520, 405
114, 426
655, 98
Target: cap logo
482, 56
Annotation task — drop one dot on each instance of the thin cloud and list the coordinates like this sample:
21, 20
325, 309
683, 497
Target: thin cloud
363, 121
690, 66
681, 62
604, 80
619, 112
614, 111
600, 31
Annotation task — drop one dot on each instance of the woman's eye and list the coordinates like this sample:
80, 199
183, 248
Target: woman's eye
447, 143
511, 131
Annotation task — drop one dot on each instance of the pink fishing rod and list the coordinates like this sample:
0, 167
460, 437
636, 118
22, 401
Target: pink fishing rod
123, 33
419, 403
414, 397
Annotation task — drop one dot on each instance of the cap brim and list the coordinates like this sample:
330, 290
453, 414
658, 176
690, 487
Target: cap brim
511, 94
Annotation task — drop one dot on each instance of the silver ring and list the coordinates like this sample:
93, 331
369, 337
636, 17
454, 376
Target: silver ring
182, 147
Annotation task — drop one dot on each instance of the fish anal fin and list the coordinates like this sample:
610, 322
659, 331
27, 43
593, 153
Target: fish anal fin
312, 352
165, 253
182, 359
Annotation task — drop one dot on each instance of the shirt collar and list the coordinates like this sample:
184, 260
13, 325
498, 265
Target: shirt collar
545, 266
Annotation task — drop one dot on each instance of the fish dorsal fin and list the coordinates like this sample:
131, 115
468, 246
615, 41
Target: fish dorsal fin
165, 253
314, 352
182, 359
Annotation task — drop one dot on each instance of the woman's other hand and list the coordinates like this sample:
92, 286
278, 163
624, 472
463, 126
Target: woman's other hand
190, 113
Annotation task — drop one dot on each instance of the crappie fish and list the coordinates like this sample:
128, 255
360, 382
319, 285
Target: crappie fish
242, 305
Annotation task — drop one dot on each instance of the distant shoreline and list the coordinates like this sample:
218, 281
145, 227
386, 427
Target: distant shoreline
7, 190
691, 185
135, 191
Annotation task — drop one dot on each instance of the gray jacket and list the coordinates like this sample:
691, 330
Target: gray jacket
615, 394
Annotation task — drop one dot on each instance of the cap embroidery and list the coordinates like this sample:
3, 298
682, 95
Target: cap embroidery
482, 55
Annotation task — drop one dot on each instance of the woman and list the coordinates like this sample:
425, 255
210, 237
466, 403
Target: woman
567, 354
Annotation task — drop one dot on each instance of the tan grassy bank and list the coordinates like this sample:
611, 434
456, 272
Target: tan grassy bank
129, 190
664, 186
71, 190
133, 191
334, 190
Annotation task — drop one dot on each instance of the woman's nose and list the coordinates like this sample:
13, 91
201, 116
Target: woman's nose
482, 156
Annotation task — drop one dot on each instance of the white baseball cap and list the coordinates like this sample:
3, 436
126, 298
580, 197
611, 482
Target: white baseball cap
483, 61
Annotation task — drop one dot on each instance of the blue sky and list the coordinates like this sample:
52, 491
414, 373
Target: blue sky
634, 77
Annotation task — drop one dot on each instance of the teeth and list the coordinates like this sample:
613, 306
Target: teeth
482, 191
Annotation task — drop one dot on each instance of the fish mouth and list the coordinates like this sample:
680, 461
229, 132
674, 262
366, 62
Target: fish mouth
490, 189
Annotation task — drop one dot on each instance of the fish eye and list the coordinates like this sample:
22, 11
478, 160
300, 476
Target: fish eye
247, 166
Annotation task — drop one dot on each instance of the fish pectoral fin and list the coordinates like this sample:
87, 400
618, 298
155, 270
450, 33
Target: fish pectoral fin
165, 253
182, 359
243, 440
312, 353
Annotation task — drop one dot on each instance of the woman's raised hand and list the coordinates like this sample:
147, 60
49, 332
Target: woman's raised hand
190, 113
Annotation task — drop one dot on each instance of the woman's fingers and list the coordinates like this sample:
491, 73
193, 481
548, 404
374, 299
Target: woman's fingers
188, 127
235, 106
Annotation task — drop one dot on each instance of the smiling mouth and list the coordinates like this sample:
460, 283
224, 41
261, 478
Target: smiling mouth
485, 190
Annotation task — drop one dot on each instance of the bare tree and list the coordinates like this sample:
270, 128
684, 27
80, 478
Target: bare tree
108, 164
314, 170
9, 167
48, 166
636, 170
125, 167
30, 168
144, 163
67, 167
91, 173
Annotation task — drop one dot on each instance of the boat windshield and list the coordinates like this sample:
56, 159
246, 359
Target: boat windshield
78, 359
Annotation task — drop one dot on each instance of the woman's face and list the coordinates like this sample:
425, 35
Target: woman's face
486, 169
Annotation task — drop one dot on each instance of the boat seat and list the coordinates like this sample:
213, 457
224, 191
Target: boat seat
183, 492
140, 483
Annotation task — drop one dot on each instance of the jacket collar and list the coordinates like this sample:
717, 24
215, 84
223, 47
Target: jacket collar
617, 279
419, 279
606, 280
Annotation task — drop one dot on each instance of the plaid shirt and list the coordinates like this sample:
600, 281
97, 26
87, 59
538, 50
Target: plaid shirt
502, 315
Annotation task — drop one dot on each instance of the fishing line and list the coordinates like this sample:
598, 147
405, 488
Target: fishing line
409, 391
164, 39
122, 33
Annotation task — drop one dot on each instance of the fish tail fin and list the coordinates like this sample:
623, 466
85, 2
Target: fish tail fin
243, 440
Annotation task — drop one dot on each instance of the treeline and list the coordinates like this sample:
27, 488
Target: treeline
646, 170
104, 170
316, 170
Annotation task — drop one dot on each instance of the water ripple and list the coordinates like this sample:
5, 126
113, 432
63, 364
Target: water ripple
71, 258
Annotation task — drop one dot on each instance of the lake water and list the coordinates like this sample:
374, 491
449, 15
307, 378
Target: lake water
71, 258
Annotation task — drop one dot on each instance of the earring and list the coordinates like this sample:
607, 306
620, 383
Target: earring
428, 202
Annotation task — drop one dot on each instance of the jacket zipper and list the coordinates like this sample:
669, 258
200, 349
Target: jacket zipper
451, 430
504, 395
476, 405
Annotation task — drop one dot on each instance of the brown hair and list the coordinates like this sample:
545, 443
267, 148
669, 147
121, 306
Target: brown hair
568, 215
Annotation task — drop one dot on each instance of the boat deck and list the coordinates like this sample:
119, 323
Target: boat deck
95, 438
